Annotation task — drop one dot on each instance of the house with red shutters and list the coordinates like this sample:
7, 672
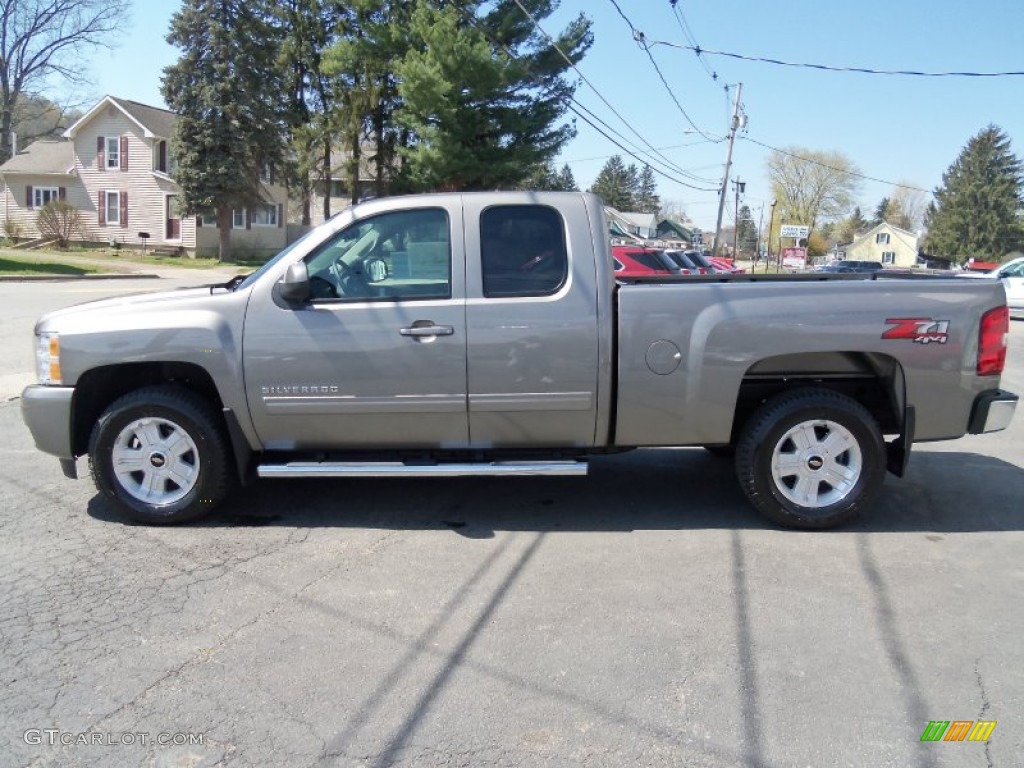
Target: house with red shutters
116, 166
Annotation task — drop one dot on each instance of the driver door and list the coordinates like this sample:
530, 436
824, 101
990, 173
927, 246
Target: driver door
377, 358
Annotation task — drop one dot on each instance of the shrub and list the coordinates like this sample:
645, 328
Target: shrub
60, 220
12, 229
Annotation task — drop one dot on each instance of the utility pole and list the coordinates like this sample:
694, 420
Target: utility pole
740, 187
728, 164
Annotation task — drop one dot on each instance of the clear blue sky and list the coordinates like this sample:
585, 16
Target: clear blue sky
900, 129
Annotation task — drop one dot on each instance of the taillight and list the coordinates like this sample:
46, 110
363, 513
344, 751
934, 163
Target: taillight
995, 328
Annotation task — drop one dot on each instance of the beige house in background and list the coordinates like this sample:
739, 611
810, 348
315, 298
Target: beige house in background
115, 166
892, 246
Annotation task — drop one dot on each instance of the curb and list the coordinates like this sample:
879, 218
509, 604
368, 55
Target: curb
57, 278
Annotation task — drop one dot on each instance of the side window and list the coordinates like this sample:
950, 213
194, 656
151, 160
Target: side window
402, 255
522, 250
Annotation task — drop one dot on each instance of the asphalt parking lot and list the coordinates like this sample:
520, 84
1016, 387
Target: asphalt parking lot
645, 615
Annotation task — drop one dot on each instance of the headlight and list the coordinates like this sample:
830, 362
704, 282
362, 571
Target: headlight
48, 358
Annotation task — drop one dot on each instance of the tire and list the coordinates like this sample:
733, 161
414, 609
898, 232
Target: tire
811, 459
175, 440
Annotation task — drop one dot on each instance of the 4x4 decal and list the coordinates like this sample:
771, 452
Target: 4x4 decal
920, 330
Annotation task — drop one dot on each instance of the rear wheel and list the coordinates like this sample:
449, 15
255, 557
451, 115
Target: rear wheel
161, 455
811, 458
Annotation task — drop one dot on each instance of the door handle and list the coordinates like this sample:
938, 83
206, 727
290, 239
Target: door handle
427, 330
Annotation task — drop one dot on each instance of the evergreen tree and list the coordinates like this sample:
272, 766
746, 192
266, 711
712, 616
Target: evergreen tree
566, 181
482, 95
226, 90
848, 229
746, 235
307, 28
880, 211
976, 211
613, 185
647, 199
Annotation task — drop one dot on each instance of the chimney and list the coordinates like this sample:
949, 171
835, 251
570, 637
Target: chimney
14, 143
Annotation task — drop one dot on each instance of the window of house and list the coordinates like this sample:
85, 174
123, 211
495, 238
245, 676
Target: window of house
113, 201
264, 215
265, 174
882, 238
888, 257
522, 250
113, 151
43, 195
238, 218
401, 255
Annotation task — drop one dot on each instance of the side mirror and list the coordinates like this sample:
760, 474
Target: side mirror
375, 270
295, 283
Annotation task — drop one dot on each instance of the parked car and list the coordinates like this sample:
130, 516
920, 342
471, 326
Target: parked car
725, 265
632, 260
686, 262
483, 334
861, 266
1012, 275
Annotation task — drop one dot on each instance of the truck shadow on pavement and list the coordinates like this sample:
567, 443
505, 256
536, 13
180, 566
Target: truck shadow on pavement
654, 489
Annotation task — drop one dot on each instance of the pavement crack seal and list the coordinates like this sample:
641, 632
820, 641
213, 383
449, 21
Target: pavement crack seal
985, 706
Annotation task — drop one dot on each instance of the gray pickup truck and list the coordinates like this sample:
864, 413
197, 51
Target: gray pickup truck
485, 333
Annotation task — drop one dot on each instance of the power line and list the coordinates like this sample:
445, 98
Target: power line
832, 167
670, 146
829, 68
671, 166
659, 171
688, 34
641, 40
625, 122
579, 109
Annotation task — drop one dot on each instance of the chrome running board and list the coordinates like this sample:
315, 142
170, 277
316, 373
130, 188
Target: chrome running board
397, 468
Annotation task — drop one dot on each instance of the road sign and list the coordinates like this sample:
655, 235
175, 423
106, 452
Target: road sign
696, 237
794, 230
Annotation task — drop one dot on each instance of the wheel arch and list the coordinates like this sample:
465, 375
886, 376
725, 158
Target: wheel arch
97, 388
874, 380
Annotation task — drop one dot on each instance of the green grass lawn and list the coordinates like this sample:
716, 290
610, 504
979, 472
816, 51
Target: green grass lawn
134, 256
9, 266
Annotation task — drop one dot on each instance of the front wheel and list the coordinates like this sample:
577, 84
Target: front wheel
811, 458
160, 454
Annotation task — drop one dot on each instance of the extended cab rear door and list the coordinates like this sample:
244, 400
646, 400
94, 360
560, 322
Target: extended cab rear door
533, 325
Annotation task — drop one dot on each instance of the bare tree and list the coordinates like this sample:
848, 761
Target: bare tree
44, 41
812, 186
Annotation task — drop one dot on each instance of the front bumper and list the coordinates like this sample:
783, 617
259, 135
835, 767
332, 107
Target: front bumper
47, 413
992, 411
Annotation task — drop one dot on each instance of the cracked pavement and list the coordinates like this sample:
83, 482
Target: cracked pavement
642, 616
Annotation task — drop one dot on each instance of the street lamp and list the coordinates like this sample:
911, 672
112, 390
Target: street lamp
771, 225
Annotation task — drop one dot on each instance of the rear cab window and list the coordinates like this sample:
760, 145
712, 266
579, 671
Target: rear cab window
522, 251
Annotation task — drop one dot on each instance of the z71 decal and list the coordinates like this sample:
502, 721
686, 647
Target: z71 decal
920, 330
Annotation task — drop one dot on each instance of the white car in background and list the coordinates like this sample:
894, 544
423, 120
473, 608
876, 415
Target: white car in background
1012, 275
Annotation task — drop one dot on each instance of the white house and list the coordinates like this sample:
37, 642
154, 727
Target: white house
116, 167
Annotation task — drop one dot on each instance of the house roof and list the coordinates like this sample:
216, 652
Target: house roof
644, 220
44, 157
154, 121
908, 237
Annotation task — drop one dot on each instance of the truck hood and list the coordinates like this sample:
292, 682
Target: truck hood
70, 318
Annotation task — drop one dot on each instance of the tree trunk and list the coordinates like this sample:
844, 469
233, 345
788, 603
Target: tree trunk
380, 157
306, 188
328, 180
224, 232
6, 121
353, 168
